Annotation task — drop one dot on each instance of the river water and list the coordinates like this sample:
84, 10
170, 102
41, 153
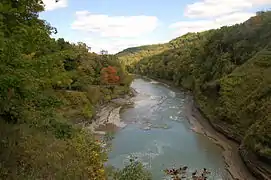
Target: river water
159, 134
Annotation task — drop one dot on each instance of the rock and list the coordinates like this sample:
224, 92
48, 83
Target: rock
256, 166
260, 169
99, 132
110, 114
146, 128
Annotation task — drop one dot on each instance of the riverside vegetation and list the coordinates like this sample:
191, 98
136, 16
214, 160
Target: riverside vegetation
229, 72
47, 88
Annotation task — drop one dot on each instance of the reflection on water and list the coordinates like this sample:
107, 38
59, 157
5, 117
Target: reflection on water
160, 136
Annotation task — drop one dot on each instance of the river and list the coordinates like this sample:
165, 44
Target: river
159, 134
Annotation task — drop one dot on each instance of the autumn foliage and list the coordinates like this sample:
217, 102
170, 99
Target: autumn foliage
109, 75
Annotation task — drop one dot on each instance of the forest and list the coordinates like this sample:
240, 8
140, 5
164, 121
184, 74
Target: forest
47, 88
229, 72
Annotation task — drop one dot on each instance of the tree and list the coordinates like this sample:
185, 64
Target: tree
104, 52
109, 75
134, 170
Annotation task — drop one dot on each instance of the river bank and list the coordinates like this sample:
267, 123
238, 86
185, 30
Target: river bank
108, 115
257, 168
235, 165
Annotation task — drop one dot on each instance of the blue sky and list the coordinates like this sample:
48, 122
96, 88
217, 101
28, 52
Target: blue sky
117, 24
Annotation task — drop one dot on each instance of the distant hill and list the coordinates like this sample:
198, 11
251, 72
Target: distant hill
129, 57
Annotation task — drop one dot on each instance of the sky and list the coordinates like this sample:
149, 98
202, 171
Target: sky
114, 25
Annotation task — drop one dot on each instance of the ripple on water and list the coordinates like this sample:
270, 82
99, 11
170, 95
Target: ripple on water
173, 107
150, 152
175, 118
154, 108
172, 94
155, 97
153, 150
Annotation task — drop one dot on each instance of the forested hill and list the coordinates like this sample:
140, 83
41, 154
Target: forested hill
47, 88
229, 71
129, 57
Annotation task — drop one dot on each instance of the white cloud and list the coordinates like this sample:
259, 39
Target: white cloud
114, 33
214, 8
114, 26
52, 4
184, 27
212, 14
234, 18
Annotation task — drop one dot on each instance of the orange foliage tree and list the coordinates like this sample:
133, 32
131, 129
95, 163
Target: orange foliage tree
109, 75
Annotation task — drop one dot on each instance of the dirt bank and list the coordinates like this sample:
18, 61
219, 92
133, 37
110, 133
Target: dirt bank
234, 164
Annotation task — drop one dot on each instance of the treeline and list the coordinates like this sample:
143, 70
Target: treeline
47, 88
131, 56
229, 71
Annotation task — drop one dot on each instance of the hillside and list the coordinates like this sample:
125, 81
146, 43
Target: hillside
48, 87
229, 71
129, 57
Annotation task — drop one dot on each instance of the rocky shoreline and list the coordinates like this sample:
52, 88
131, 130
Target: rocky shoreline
253, 163
260, 169
108, 115
234, 164
257, 167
